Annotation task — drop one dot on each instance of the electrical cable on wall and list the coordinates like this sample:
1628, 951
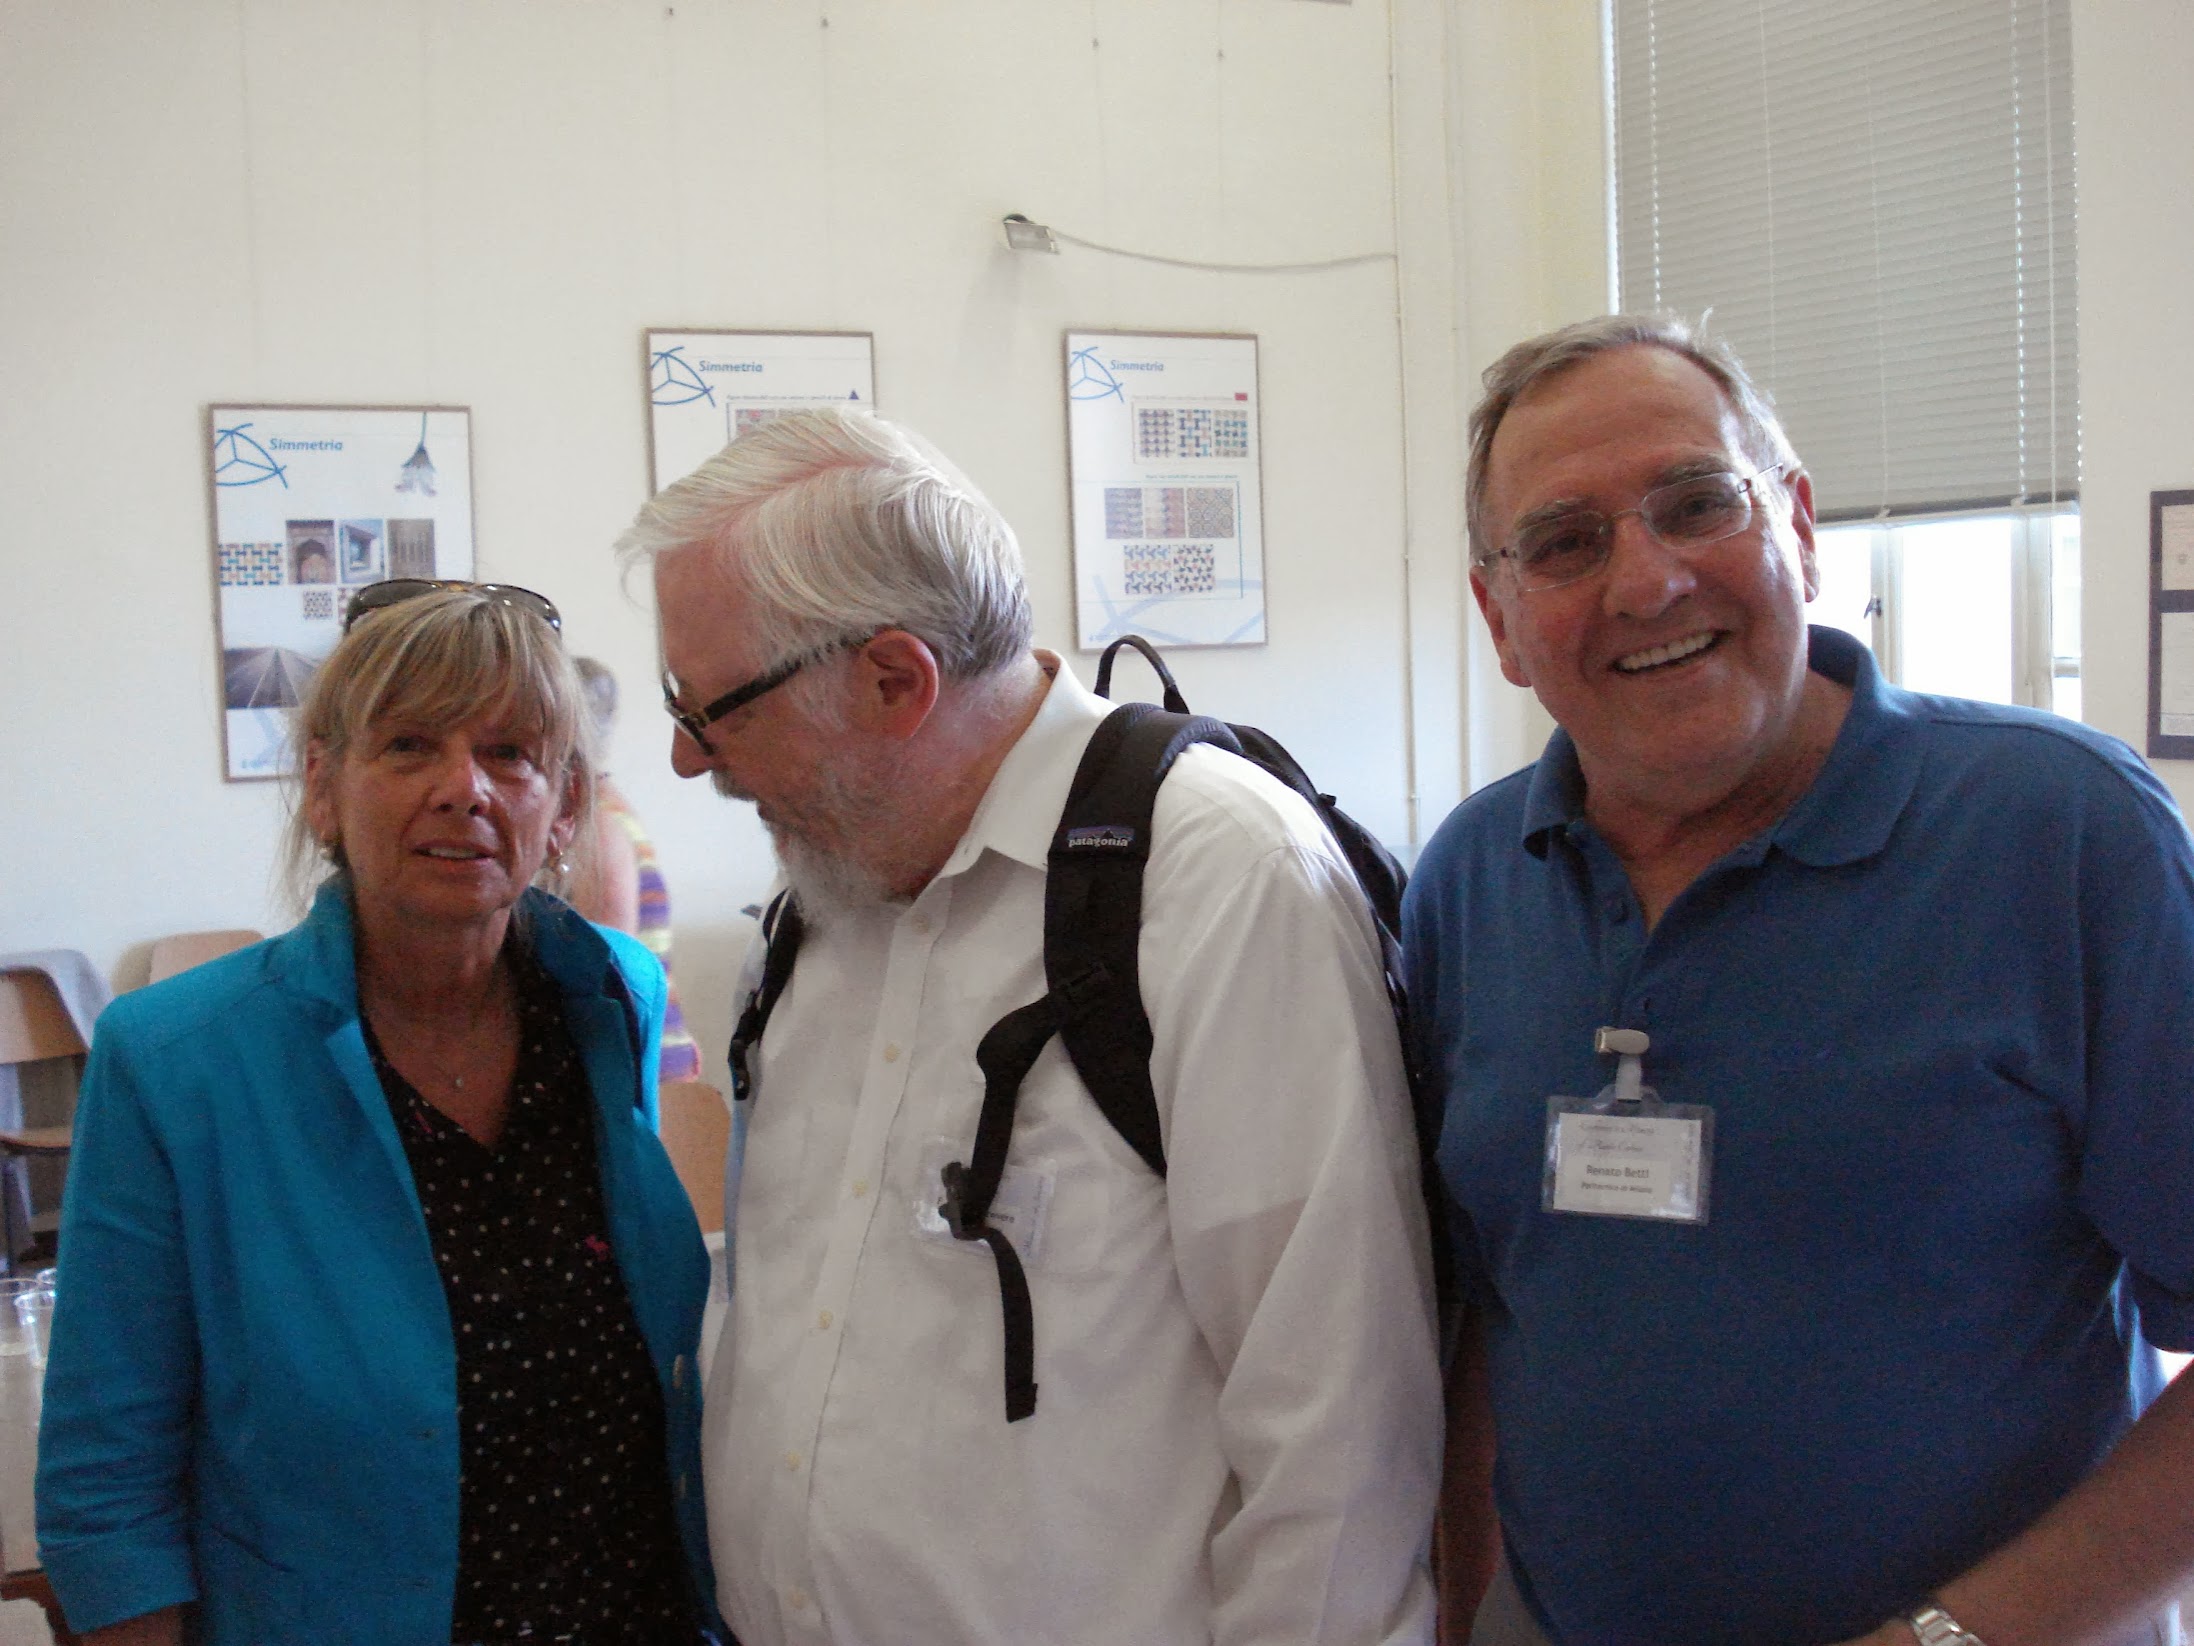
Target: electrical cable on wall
1024, 235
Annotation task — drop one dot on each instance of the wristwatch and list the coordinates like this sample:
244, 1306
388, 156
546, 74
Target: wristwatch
1936, 1627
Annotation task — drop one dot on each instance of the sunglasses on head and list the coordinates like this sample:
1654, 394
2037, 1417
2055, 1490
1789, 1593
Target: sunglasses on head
394, 591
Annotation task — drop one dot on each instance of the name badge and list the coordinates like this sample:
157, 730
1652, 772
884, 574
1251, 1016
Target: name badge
1628, 1158
1017, 1211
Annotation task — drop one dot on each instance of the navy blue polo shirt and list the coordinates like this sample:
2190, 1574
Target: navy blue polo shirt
1943, 1011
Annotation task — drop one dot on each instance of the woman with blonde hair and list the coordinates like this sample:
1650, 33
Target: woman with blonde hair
380, 1296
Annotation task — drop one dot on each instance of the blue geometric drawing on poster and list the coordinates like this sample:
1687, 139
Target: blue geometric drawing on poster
673, 380
233, 449
1091, 378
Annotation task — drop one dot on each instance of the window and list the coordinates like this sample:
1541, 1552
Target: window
1875, 200
1984, 605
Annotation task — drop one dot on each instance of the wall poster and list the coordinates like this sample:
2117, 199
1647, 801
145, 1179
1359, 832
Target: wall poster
706, 388
308, 504
2171, 625
1163, 466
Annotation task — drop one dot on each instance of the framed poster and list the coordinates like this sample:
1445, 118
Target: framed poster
308, 503
706, 388
1165, 488
2171, 625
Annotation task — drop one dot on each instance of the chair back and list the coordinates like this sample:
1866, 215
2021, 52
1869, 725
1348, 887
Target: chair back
187, 949
33, 1024
697, 1136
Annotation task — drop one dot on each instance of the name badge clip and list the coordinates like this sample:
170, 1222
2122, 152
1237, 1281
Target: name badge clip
1625, 1153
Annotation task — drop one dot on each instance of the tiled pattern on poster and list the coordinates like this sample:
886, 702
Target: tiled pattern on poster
1169, 511
319, 605
1195, 568
753, 417
1174, 432
1146, 568
1169, 568
1210, 511
248, 564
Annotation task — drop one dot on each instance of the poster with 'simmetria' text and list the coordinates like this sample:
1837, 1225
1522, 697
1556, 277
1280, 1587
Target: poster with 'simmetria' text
1163, 458
706, 388
310, 504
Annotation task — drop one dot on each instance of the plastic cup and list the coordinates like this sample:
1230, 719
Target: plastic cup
34, 1318
18, 1332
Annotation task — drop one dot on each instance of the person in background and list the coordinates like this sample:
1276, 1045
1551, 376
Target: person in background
622, 884
380, 1296
1817, 1058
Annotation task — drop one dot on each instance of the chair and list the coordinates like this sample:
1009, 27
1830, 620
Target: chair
33, 1027
696, 1134
187, 949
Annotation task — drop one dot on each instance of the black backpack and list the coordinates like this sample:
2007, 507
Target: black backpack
1093, 913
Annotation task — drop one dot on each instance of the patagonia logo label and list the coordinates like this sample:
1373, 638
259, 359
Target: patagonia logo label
1102, 837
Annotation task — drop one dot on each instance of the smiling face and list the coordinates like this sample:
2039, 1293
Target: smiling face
1679, 675
440, 826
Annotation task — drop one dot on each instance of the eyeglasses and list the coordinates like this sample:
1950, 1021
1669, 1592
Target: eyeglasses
394, 591
696, 722
1685, 514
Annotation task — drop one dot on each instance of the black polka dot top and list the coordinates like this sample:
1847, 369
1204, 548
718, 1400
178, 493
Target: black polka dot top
565, 1525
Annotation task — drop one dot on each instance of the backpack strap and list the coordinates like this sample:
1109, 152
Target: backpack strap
1093, 905
1093, 910
782, 929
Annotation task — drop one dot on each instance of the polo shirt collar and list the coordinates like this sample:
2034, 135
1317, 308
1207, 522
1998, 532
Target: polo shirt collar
1846, 815
1870, 773
1020, 810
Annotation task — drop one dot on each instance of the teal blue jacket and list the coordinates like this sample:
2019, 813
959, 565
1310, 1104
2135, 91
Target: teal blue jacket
251, 1400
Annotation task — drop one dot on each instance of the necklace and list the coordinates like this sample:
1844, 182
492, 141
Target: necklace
481, 1039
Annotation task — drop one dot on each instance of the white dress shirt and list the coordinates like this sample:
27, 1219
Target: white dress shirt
1237, 1431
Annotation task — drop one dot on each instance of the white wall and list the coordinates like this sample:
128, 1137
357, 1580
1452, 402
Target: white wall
2133, 61
483, 202
1501, 199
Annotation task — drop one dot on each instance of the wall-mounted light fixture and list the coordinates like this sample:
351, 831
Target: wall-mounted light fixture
1022, 235
417, 474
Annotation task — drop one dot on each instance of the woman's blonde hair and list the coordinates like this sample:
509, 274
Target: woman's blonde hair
440, 660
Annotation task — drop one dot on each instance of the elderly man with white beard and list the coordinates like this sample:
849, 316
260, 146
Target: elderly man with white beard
1238, 1434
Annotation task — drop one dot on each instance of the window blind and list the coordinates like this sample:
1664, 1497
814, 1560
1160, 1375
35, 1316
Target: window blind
1875, 198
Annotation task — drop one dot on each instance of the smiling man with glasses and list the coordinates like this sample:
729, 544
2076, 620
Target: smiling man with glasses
1818, 1060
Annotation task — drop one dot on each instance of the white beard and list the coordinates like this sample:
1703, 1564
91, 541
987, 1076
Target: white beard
829, 888
816, 851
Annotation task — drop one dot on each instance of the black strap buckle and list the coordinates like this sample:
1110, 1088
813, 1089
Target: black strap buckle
953, 1208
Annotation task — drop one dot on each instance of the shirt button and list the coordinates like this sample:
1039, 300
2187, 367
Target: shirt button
792, 1462
921, 924
681, 1488
860, 1187
891, 1052
678, 1373
823, 1320
797, 1599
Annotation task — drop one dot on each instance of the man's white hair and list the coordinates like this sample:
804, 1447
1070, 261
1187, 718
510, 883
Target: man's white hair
834, 523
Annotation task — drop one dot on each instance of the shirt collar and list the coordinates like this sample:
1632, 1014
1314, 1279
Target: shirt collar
1854, 801
1020, 810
